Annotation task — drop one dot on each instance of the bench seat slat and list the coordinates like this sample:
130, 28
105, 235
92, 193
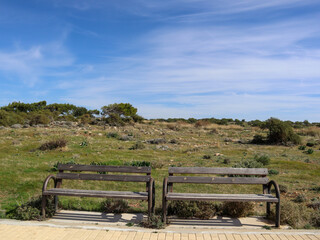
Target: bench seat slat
205, 170
95, 193
104, 177
217, 180
222, 197
101, 168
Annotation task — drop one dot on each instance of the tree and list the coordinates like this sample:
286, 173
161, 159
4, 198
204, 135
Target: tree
281, 132
119, 109
118, 113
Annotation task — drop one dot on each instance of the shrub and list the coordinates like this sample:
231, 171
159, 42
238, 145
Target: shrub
10, 118
190, 209
86, 119
309, 151
31, 210
283, 188
114, 206
201, 123
137, 145
315, 218
248, 164
39, 118
154, 221
226, 161
139, 164
55, 166
258, 139
310, 144
302, 147
314, 205
281, 132
300, 198
237, 209
112, 135
59, 143
316, 189
294, 214
273, 172
206, 157
264, 159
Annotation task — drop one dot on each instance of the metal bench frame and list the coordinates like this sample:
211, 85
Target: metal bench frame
75, 174
233, 176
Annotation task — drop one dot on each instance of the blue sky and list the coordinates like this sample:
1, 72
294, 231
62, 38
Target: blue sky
240, 59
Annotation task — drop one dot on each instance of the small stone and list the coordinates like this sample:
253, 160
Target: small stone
16, 126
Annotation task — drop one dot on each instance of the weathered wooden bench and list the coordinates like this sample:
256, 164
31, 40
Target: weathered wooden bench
101, 173
223, 176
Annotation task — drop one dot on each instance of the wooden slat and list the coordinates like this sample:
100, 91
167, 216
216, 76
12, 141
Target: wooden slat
205, 170
104, 177
101, 168
217, 180
95, 193
222, 197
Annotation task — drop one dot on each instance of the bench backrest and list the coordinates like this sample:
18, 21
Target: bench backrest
234, 175
98, 169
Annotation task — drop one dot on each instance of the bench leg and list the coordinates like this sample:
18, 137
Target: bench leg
153, 197
164, 210
56, 201
278, 214
43, 206
268, 209
150, 203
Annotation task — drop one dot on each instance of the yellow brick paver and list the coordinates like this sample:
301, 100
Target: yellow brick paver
16, 232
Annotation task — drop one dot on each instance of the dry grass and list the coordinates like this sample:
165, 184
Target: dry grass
310, 131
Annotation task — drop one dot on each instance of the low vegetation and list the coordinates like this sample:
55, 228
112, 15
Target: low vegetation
32, 151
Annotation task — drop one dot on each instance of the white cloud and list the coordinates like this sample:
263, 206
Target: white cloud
33, 64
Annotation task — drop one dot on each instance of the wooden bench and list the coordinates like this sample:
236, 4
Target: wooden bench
229, 176
101, 173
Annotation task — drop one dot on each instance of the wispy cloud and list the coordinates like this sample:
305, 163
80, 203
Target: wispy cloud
192, 61
34, 64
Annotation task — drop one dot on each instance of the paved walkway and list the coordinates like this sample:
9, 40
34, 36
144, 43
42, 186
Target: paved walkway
32, 232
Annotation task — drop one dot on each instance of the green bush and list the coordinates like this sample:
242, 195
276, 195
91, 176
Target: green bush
237, 209
39, 118
300, 198
112, 135
310, 144
31, 210
281, 132
137, 145
294, 214
258, 139
283, 188
10, 118
315, 218
264, 159
190, 209
114, 206
154, 221
273, 172
248, 164
302, 147
139, 164
309, 151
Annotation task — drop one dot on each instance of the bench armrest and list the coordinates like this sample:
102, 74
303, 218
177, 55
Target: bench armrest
276, 187
44, 188
165, 186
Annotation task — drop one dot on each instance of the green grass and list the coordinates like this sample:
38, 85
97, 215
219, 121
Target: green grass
23, 167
